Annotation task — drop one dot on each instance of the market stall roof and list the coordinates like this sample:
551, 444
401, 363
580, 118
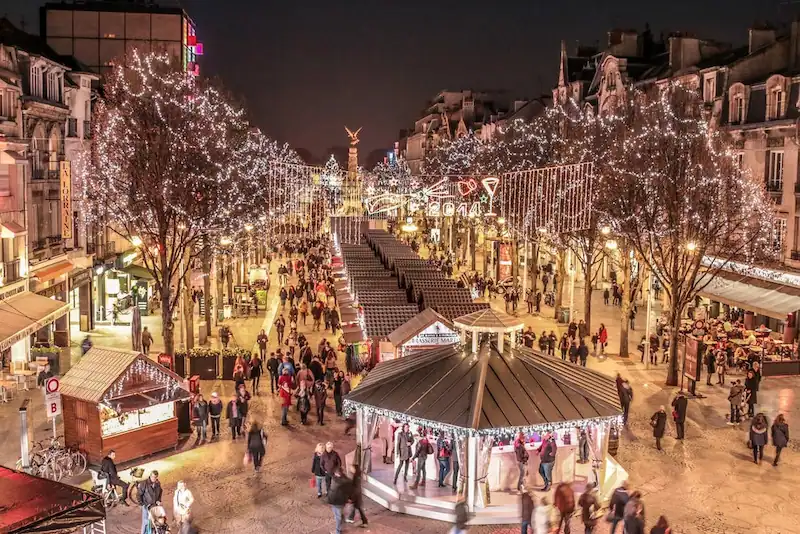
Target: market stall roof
511, 390
451, 311
137, 271
417, 324
753, 294
100, 377
383, 320
489, 320
354, 336
24, 313
30, 504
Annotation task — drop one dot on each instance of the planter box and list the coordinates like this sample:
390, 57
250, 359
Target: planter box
203, 366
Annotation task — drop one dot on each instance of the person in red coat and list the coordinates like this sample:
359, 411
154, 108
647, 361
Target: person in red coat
602, 338
285, 388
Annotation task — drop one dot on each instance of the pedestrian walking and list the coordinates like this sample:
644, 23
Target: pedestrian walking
590, 507
331, 462
280, 327
602, 338
263, 341
234, 416
272, 367
606, 295
200, 416
338, 380
356, 498
543, 517
521, 454
225, 335
711, 366
758, 437
423, 449
751, 385
616, 513
679, 405
625, 399
256, 370
564, 502
339, 493
661, 526
303, 403
721, 364
303, 309
563, 346
215, 413
320, 396
404, 440
285, 387
147, 340
149, 495
659, 423
583, 352
780, 436
182, 503
256, 444
317, 469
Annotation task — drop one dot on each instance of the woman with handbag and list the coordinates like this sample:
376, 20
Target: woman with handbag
758, 437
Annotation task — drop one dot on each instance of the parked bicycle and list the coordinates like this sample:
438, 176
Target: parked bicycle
50, 459
101, 485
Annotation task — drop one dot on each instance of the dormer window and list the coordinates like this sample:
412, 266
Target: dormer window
611, 81
738, 109
737, 103
709, 88
777, 99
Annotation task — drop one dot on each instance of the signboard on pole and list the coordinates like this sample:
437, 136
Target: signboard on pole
52, 397
691, 368
436, 334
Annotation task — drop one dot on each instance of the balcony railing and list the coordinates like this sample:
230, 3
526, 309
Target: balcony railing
775, 187
72, 127
38, 174
102, 251
47, 242
796, 255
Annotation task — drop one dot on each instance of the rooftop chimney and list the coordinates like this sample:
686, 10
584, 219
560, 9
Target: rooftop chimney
760, 36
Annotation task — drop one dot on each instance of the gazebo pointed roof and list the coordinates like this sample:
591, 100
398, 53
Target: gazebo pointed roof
487, 391
490, 319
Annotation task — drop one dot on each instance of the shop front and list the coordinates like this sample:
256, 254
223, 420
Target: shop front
51, 281
428, 330
121, 400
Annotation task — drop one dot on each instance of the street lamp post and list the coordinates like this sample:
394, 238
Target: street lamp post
571, 267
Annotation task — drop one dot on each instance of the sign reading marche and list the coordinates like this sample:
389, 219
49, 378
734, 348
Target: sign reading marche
52, 397
435, 334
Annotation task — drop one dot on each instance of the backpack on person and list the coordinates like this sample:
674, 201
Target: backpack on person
444, 450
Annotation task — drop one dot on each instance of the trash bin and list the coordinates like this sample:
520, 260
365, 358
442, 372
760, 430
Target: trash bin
613, 441
563, 315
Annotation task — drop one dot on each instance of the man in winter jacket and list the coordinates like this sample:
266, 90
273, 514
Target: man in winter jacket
340, 490
444, 451
109, 468
233, 413
149, 495
404, 440
215, 411
619, 499
424, 448
564, 501
547, 458
200, 416
331, 462
272, 366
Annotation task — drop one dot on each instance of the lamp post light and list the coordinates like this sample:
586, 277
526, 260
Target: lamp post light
136, 241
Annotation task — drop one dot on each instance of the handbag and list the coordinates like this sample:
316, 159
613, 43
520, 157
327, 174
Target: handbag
312, 482
246, 459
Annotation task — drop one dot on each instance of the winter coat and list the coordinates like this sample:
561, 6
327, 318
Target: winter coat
602, 336
341, 489
215, 408
272, 366
680, 404
200, 411
149, 492
527, 507
330, 461
316, 466
758, 436
619, 499
751, 385
404, 442
583, 352
564, 499
634, 525
735, 395
547, 452
422, 450
588, 503
659, 424
780, 434
520, 452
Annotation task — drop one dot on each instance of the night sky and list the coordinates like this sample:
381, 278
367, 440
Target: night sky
307, 68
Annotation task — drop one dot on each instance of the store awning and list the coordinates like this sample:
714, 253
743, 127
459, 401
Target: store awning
11, 229
53, 271
753, 294
30, 504
137, 271
24, 314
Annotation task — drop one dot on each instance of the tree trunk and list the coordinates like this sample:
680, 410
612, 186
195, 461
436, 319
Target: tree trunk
675, 367
188, 308
207, 289
229, 279
587, 304
562, 279
625, 304
220, 283
167, 326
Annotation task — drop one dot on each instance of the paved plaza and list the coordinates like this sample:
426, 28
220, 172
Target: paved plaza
706, 484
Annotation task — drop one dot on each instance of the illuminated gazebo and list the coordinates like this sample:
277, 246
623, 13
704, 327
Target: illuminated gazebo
489, 321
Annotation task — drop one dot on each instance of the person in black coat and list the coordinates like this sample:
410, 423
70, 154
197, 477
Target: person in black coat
751, 384
679, 404
109, 469
272, 366
340, 491
780, 436
659, 424
356, 498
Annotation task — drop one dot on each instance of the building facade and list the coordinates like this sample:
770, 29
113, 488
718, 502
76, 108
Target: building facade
99, 34
451, 114
752, 91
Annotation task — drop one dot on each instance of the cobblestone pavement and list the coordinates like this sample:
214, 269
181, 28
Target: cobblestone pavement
706, 484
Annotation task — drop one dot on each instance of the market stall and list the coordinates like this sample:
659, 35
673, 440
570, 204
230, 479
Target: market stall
478, 401
121, 400
427, 330
30, 504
